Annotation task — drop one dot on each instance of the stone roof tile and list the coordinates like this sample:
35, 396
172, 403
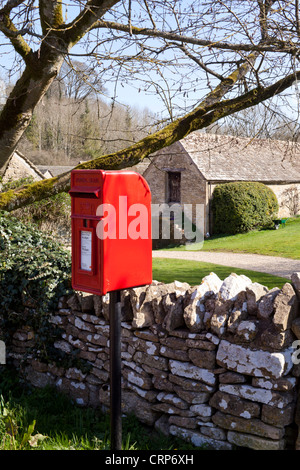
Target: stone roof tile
229, 158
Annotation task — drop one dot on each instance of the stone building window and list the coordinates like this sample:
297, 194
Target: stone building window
174, 186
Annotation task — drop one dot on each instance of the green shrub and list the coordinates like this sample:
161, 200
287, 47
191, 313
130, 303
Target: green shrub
34, 273
54, 210
32, 266
243, 206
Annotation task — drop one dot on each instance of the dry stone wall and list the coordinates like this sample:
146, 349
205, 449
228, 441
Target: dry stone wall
215, 364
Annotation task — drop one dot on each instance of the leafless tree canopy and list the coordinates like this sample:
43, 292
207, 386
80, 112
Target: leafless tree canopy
207, 60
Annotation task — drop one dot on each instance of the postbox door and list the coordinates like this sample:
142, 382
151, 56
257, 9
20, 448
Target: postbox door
127, 262
87, 250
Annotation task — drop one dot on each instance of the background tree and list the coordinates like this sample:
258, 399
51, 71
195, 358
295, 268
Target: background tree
207, 60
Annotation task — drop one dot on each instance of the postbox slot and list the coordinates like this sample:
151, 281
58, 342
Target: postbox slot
84, 192
85, 195
86, 217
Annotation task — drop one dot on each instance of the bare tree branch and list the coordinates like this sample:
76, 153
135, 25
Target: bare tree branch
275, 46
209, 110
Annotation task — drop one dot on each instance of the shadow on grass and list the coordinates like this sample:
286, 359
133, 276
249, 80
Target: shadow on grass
68, 426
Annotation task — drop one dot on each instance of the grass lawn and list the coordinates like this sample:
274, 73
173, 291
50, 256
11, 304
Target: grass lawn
168, 270
29, 413
284, 242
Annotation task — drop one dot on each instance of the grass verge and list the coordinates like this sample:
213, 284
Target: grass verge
168, 270
284, 242
45, 419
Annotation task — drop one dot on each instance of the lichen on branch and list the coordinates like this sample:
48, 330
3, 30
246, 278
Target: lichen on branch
210, 110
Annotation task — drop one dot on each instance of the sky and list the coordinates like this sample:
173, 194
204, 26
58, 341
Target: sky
125, 93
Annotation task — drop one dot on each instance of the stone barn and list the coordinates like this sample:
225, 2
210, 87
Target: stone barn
188, 171
19, 167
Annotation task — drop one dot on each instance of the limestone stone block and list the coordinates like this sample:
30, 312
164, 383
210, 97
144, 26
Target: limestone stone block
214, 432
149, 395
218, 323
250, 426
233, 405
198, 439
162, 383
194, 310
162, 425
172, 399
174, 343
190, 384
202, 410
193, 398
253, 294
283, 384
97, 300
233, 285
174, 353
296, 327
277, 416
212, 282
172, 410
86, 301
234, 319
247, 330
200, 344
200, 358
295, 278
132, 403
105, 306
285, 308
232, 378
148, 347
182, 421
185, 369
174, 312
180, 288
158, 292
272, 339
141, 302
254, 442
268, 397
265, 305
258, 363
153, 361
142, 381
73, 302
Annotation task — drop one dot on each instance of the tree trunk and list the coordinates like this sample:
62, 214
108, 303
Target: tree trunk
19, 107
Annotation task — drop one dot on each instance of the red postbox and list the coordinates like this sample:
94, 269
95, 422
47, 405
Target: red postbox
111, 230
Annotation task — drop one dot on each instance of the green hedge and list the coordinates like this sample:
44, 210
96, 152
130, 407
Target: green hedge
33, 267
243, 206
34, 273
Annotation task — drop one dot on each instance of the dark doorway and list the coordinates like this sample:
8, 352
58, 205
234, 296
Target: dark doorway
174, 182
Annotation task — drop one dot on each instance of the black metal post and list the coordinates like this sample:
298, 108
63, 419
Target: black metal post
115, 370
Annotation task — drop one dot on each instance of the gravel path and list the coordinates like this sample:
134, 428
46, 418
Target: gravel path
283, 267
